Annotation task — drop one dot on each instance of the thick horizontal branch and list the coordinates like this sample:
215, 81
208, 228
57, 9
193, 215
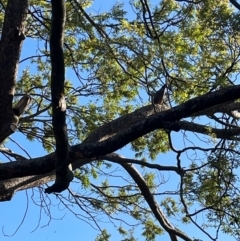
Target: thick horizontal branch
10, 186
110, 129
227, 108
95, 149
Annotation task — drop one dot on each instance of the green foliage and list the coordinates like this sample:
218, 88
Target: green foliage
151, 230
113, 61
153, 143
211, 186
104, 236
83, 175
126, 233
119, 65
170, 206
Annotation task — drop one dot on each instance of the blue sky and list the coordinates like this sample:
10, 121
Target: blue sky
64, 225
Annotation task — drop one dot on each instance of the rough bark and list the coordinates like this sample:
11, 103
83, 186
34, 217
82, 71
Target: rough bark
63, 174
12, 37
107, 140
10, 186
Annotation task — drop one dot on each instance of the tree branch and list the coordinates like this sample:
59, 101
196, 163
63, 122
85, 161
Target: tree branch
9, 187
228, 134
114, 157
158, 213
235, 4
110, 129
93, 148
12, 37
63, 173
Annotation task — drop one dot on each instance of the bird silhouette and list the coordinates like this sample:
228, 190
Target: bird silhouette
159, 95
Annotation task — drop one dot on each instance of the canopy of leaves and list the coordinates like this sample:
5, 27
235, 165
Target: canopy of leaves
114, 61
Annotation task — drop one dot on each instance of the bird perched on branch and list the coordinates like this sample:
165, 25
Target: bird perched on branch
22, 105
159, 95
